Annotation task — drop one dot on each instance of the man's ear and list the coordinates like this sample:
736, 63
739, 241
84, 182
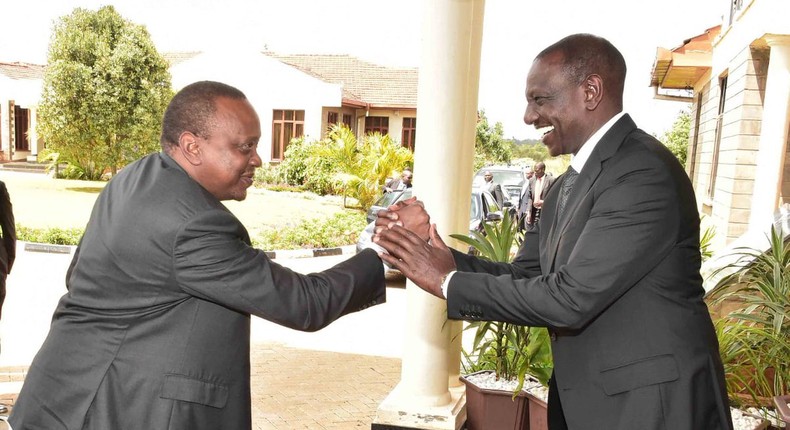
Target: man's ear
189, 147
593, 91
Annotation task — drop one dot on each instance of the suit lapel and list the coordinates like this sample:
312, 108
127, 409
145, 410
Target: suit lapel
607, 147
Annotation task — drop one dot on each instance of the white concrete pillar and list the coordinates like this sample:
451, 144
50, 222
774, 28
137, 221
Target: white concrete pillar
773, 135
429, 395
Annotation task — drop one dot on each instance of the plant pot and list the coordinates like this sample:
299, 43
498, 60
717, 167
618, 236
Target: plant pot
495, 409
538, 413
783, 408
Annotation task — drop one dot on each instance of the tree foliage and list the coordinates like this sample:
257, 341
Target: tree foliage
105, 91
535, 150
677, 139
490, 144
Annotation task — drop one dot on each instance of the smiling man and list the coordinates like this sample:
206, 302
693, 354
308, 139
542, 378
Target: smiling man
154, 332
612, 269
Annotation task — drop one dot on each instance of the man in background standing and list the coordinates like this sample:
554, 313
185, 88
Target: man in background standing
8, 250
539, 187
493, 188
524, 198
399, 184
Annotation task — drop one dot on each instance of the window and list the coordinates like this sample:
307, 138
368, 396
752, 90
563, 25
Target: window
379, 124
286, 125
714, 163
21, 127
331, 119
347, 120
409, 133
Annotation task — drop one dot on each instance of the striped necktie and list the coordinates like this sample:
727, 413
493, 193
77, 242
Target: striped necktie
567, 185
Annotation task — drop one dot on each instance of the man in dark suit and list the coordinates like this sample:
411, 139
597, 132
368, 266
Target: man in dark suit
8, 250
154, 332
539, 186
399, 184
493, 188
612, 269
524, 198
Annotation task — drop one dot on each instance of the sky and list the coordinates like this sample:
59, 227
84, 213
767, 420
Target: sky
388, 32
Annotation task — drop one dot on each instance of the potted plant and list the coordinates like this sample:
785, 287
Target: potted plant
517, 358
754, 336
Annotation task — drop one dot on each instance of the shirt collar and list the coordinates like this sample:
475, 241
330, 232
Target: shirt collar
580, 159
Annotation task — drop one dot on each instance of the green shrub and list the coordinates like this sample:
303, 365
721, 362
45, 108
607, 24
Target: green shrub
267, 175
304, 166
342, 229
53, 235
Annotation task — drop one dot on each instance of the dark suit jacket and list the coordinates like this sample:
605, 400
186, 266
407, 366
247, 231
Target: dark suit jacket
524, 200
154, 332
496, 191
616, 279
8, 250
548, 181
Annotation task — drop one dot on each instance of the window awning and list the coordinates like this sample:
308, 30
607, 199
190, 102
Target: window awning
680, 68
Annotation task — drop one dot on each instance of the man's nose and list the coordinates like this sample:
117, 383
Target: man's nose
530, 116
255, 160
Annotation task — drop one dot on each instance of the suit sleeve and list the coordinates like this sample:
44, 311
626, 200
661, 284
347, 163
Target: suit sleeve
212, 261
526, 263
629, 230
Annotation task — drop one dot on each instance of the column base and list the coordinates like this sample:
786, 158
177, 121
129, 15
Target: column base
398, 412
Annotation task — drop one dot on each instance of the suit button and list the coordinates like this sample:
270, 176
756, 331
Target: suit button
553, 336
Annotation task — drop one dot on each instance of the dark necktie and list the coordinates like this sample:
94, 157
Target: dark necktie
567, 185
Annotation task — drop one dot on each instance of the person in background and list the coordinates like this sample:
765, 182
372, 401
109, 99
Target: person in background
524, 199
7, 250
402, 183
539, 186
493, 188
154, 332
612, 269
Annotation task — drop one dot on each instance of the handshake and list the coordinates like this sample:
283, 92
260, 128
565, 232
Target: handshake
405, 240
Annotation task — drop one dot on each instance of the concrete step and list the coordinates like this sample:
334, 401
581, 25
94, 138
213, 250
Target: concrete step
24, 166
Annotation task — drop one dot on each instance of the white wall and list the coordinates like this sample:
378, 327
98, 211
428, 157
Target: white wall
268, 84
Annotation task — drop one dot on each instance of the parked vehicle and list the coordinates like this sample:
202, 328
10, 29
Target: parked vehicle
386, 200
483, 208
510, 178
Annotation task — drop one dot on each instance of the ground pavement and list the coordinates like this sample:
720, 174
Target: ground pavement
331, 379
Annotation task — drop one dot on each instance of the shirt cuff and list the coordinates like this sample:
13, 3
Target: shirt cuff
446, 283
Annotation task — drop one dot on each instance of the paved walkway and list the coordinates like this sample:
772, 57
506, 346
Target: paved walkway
331, 379
296, 388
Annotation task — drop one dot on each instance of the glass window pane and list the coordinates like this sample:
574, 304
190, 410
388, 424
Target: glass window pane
276, 136
299, 115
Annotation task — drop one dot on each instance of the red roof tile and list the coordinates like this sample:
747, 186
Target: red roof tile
18, 70
362, 81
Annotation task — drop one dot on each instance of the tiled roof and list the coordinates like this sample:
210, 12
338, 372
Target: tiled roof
174, 58
22, 70
365, 82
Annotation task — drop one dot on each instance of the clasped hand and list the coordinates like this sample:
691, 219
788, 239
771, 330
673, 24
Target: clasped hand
413, 245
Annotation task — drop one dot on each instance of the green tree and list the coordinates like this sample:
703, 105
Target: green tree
105, 90
677, 139
490, 144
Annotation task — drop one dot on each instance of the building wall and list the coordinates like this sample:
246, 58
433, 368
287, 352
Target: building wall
742, 55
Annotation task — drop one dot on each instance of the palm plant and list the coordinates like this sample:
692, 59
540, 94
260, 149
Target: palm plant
754, 340
362, 167
510, 350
